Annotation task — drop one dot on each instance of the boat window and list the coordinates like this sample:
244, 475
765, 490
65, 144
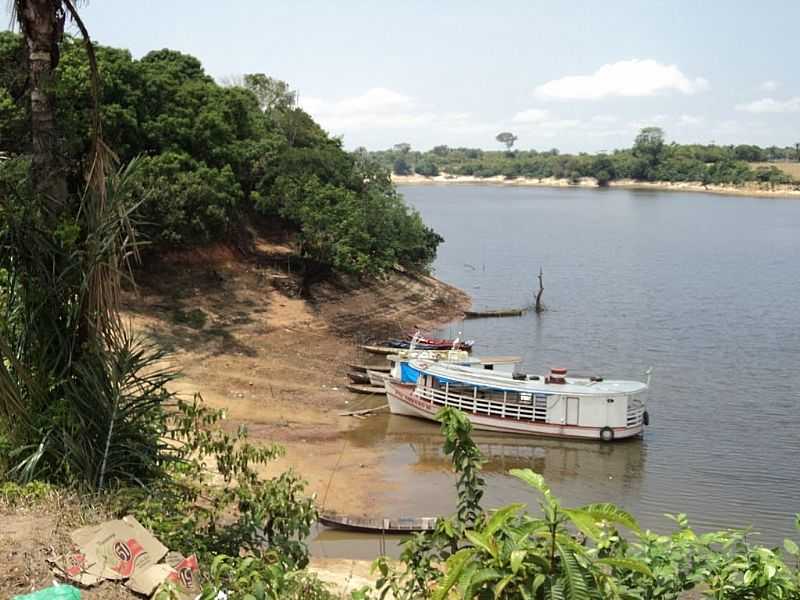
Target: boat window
540, 407
489, 367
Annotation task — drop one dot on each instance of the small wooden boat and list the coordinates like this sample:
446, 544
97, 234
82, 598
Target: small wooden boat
418, 344
365, 389
379, 349
502, 312
385, 525
365, 368
359, 377
378, 378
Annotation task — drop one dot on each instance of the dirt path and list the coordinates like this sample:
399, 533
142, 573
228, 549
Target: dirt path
247, 341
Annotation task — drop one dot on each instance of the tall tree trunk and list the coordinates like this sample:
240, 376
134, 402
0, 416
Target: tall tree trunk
42, 24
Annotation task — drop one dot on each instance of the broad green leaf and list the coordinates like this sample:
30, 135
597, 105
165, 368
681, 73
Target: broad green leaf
533, 479
501, 585
626, 564
584, 521
479, 578
485, 543
791, 547
611, 513
537, 583
500, 516
453, 568
517, 556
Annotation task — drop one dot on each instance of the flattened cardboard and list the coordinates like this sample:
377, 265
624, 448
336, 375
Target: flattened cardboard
146, 581
113, 550
186, 578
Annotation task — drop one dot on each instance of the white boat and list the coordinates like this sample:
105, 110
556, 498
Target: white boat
555, 405
505, 364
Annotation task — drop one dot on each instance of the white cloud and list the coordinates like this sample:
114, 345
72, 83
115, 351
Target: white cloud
533, 115
604, 119
770, 105
377, 107
629, 78
690, 120
542, 122
385, 109
769, 86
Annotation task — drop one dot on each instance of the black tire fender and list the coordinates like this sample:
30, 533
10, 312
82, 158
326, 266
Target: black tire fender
646, 418
607, 434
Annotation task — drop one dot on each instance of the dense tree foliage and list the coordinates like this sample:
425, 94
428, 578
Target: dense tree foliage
650, 159
212, 154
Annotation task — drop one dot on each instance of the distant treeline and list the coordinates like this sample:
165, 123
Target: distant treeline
212, 156
649, 159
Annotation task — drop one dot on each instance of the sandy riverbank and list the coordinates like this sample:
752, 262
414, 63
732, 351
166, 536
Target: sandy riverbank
749, 189
249, 343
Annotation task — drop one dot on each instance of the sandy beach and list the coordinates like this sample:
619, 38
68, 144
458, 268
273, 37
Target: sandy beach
749, 189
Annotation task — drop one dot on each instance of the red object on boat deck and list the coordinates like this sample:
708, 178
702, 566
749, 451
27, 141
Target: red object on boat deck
557, 375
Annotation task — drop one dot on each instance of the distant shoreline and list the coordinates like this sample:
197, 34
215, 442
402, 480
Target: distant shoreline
760, 190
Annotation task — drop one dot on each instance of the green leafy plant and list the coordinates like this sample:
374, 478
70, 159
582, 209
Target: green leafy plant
251, 578
563, 553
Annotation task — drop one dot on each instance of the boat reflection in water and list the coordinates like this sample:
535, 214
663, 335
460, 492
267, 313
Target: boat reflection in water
419, 480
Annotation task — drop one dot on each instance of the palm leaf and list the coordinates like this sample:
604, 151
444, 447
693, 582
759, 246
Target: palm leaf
575, 584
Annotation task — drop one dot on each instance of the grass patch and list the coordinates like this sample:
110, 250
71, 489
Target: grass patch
195, 318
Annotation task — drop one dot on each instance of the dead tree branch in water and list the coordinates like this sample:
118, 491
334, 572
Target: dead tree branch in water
539, 307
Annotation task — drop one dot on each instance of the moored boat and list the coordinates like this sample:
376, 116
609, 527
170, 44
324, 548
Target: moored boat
385, 525
420, 344
359, 377
555, 405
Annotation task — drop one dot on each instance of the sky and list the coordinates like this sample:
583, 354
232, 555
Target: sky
578, 76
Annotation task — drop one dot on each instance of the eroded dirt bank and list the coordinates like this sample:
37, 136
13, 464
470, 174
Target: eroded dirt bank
248, 341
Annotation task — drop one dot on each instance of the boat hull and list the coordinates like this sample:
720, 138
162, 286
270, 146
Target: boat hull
403, 401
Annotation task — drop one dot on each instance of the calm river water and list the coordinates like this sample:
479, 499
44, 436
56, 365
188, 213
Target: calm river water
704, 288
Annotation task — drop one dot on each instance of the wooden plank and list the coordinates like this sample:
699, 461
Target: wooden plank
364, 411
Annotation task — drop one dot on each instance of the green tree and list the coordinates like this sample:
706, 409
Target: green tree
507, 138
272, 93
401, 167
426, 168
648, 148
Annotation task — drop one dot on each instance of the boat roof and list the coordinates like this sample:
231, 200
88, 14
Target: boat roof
505, 381
461, 356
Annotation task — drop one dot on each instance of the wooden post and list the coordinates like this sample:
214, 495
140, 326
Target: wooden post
539, 307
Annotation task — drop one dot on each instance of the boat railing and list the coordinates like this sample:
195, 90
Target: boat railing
635, 413
504, 410
507, 410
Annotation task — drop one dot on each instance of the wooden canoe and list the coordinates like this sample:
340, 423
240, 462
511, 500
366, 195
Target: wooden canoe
358, 377
366, 389
365, 368
379, 350
385, 525
503, 312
